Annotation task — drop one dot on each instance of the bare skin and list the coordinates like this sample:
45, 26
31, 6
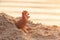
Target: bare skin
21, 24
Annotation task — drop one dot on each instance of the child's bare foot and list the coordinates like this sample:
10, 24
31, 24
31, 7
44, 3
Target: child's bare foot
25, 30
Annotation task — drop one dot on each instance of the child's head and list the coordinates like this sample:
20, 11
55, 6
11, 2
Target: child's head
25, 12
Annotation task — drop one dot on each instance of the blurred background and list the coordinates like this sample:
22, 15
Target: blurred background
41, 11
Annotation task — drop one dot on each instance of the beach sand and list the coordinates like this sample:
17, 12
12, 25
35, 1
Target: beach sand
39, 31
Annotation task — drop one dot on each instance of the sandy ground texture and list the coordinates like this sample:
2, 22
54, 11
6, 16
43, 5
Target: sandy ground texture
8, 30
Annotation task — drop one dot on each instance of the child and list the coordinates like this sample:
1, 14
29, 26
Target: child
21, 23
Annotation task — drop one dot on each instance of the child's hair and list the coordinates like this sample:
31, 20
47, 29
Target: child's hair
24, 12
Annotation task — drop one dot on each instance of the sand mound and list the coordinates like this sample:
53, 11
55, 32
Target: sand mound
8, 30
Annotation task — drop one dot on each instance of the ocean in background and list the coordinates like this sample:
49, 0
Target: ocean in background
41, 11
